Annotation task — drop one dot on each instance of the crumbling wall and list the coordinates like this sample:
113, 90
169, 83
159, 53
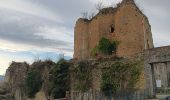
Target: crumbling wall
129, 26
15, 78
81, 39
97, 66
133, 31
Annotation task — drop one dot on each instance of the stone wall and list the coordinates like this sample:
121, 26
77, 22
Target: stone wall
97, 66
157, 67
126, 23
15, 79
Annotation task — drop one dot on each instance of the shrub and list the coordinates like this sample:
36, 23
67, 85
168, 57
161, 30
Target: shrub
60, 79
83, 77
119, 73
33, 82
105, 46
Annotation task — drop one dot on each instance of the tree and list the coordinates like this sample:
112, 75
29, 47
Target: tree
60, 79
33, 82
84, 15
99, 6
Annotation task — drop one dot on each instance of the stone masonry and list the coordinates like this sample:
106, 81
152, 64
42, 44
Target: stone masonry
125, 23
157, 67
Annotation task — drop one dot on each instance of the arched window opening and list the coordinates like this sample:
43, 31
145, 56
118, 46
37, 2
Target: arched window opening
112, 29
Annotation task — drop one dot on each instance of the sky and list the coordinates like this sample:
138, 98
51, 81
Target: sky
44, 29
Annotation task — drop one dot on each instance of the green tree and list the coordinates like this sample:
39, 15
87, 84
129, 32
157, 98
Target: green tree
60, 79
33, 82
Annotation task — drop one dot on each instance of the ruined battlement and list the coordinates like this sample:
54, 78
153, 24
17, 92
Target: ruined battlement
124, 23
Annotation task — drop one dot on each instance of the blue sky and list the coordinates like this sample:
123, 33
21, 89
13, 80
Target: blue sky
32, 29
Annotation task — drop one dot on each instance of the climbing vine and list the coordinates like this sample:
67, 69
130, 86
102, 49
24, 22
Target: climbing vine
105, 47
120, 75
94, 51
83, 79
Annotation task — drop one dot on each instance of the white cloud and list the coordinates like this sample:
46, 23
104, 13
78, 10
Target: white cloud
5, 60
19, 47
55, 33
106, 2
24, 6
161, 38
3, 64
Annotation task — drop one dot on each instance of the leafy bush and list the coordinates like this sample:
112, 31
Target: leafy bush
83, 77
119, 73
94, 51
60, 79
135, 73
33, 82
105, 46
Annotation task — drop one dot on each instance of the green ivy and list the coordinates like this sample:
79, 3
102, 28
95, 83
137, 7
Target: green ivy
33, 82
60, 79
135, 73
114, 77
94, 51
105, 46
82, 73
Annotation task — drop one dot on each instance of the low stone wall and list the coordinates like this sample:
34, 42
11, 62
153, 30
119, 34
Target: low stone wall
98, 95
97, 66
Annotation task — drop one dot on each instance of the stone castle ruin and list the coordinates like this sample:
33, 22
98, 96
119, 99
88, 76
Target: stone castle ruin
125, 23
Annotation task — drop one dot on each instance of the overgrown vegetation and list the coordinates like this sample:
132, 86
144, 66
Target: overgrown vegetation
60, 79
120, 75
105, 47
82, 74
95, 51
33, 82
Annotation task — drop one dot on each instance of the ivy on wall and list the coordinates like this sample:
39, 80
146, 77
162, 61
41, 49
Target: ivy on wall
120, 75
105, 47
82, 73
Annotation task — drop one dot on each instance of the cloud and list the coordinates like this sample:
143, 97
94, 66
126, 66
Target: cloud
158, 14
19, 47
59, 33
105, 2
6, 57
24, 6
30, 29
24, 32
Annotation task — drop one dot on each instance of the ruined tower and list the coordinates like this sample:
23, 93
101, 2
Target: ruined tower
124, 23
